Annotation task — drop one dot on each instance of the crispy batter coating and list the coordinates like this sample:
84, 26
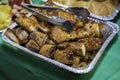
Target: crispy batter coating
64, 56
27, 23
77, 48
10, 34
68, 16
47, 50
80, 33
92, 43
94, 28
21, 34
58, 35
39, 37
32, 45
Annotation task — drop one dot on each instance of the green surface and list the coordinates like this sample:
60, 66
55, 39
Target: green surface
17, 65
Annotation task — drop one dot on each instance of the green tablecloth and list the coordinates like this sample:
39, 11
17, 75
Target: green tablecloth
17, 65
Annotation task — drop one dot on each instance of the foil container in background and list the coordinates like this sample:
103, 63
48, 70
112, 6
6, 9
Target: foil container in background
109, 31
104, 18
109, 17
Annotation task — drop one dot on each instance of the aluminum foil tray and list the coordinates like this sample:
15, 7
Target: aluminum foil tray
109, 31
104, 18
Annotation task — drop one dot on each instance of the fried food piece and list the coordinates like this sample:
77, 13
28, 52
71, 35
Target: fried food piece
59, 35
59, 13
91, 43
80, 33
27, 23
21, 34
64, 56
33, 18
32, 45
76, 62
10, 34
79, 23
39, 37
44, 27
47, 50
94, 28
77, 48
68, 16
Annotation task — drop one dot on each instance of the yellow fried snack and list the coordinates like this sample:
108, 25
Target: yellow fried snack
5, 17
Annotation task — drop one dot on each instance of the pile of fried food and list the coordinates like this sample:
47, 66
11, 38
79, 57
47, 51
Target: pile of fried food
98, 7
75, 48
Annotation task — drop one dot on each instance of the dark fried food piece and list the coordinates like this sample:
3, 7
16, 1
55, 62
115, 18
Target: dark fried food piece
21, 34
43, 26
80, 33
32, 45
77, 48
39, 37
68, 16
27, 23
47, 50
94, 28
59, 35
10, 34
64, 56
79, 23
91, 43
63, 14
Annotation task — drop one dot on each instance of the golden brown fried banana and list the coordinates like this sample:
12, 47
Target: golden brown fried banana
80, 33
64, 56
91, 43
32, 45
94, 28
27, 23
21, 34
10, 34
47, 50
39, 37
59, 35
77, 48
68, 16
